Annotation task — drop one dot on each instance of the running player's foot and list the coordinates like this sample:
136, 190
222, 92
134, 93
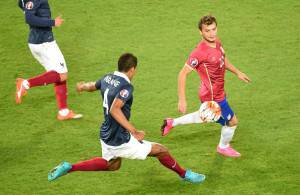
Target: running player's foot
229, 152
58, 171
192, 177
167, 126
20, 90
70, 115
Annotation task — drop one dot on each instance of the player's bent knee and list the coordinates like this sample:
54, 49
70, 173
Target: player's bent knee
63, 76
114, 165
233, 121
158, 149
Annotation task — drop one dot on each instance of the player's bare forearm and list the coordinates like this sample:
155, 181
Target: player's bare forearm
242, 76
182, 81
230, 67
117, 114
86, 86
181, 88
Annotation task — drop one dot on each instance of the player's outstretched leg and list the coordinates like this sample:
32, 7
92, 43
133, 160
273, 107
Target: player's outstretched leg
166, 126
58, 171
190, 118
20, 90
165, 158
95, 164
40, 80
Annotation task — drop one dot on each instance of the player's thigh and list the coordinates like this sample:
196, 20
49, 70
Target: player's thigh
227, 113
55, 58
134, 149
157, 149
37, 51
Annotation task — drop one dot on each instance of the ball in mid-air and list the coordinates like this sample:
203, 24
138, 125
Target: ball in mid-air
210, 111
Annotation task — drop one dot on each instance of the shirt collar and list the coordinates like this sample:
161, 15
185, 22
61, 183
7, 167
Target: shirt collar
120, 74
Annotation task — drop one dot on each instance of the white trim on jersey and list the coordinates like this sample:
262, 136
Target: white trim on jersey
121, 74
211, 87
189, 66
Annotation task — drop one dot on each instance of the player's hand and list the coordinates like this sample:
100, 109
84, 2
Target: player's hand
139, 135
242, 76
79, 86
58, 21
182, 106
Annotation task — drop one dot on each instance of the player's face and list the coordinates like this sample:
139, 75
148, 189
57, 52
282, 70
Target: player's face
209, 32
131, 73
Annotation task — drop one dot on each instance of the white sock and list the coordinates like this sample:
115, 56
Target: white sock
188, 119
64, 112
25, 84
226, 136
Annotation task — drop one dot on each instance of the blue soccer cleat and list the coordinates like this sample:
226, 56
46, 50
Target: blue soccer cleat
192, 177
58, 171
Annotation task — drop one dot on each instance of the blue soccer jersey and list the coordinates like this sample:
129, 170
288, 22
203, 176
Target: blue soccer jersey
38, 17
113, 86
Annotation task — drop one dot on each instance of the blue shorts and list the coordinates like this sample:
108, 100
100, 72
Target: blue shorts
227, 113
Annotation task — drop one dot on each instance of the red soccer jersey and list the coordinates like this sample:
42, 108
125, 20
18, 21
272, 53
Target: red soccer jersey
210, 65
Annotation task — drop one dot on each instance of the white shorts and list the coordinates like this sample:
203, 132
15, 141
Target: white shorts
49, 55
131, 150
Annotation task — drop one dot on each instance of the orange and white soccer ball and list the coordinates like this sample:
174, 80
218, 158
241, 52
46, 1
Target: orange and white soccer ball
210, 111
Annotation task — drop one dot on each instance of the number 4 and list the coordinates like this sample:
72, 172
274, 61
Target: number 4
105, 102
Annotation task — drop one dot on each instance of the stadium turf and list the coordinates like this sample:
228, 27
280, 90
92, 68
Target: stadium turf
261, 38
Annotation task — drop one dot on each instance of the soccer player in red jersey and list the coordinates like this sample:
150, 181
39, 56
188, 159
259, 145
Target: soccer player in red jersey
209, 60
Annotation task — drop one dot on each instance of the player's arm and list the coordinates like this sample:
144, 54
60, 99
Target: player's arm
34, 20
30, 9
185, 71
242, 76
117, 114
86, 86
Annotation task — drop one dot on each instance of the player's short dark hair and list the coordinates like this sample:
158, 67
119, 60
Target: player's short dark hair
207, 20
127, 61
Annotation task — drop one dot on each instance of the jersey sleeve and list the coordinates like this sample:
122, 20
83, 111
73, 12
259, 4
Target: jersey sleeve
30, 9
195, 59
98, 84
125, 93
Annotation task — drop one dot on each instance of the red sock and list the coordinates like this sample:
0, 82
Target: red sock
95, 164
61, 94
169, 162
44, 79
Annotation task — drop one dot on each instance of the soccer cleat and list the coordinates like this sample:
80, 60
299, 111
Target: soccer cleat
70, 115
192, 177
167, 126
20, 90
229, 152
59, 171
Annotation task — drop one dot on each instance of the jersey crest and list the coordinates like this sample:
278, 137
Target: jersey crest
194, 62
124, 93
29, 5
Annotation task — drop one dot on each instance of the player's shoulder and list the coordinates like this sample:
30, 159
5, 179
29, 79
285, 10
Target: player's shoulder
199, 50
31, 4
218, 41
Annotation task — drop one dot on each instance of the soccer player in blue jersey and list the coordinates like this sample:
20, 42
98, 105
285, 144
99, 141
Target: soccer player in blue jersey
44, 48
118, 137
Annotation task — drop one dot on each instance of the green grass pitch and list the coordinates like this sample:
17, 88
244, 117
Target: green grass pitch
261, 38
